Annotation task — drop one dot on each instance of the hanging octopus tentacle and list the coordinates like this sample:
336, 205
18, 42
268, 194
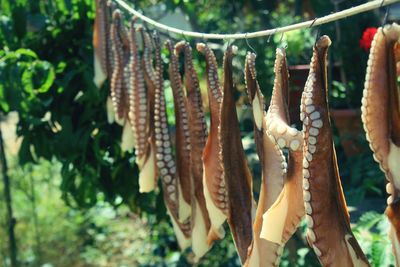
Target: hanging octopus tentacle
381, 118
148, 67
128, 140
237, 174
283, 217
149, 173
213, 176
150, 76
182, 134
119, 94
328, 221
101, 43
111, 7
139, 119
165, 161
103, 54
198, 136
263, 252
278, 111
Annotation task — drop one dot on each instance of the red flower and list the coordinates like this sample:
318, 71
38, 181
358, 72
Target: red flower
367, 37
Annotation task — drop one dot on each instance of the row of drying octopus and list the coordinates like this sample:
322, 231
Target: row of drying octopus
207, 180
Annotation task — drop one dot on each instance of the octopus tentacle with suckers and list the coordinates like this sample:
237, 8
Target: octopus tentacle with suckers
328, 220
381, 118
118, 110
213, 176
198, 135
119, 81
139, 117
280, 207
263, 252
173, 197
285, 214
101, 43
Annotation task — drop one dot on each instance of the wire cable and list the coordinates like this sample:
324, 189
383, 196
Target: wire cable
305, 24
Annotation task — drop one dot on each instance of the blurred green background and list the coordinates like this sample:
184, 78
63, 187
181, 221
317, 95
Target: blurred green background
75, 193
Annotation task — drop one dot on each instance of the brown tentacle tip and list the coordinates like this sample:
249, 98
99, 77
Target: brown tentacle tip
280, 52
116, 14
168, 44
179, 46
251, 76
391, 31
234, 49
323, 42
251, 63
201, 47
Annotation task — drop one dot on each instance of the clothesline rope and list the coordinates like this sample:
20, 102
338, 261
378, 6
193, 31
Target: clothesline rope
306, 24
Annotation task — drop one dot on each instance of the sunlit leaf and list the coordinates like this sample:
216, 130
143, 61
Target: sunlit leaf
26, 52
31, 74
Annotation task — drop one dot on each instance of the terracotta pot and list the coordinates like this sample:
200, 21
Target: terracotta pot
349, 126
347, 121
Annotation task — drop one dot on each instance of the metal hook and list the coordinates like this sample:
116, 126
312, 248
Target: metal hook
248, 44
280, 40
269, 37
184, 36
312, 23
145, 26
317, 35
148, 31
228, 42
386, 16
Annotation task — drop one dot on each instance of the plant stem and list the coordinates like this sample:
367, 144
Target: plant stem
7, 193
35, 217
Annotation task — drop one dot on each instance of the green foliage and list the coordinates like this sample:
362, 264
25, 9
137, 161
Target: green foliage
62, 114
361, 175
45, 225
297, 42
49, 233
25, 82
372, 233
342, 95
